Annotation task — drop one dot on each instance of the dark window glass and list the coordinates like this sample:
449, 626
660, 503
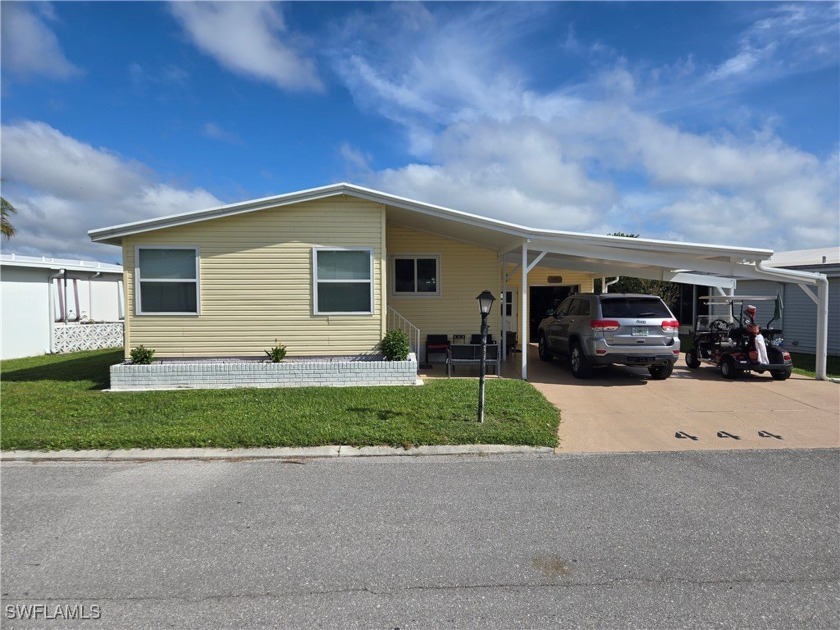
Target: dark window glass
634, 307
426, 275
344, 297
168, 297
404, 275
584, 309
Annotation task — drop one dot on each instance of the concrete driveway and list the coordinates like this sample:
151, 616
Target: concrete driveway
622, 409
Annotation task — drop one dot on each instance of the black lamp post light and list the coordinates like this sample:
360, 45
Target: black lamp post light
485, 303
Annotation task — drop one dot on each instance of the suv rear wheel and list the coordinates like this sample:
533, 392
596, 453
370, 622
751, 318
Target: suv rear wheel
660, 372
578, 362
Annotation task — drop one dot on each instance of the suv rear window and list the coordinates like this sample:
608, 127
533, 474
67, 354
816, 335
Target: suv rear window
634, 307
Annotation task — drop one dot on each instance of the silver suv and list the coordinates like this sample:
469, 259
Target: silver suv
626, 328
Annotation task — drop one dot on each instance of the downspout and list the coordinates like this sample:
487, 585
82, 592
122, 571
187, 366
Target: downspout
821, 282
609, 284
52, 308
90, 294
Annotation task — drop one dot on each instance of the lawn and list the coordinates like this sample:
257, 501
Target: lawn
56, 402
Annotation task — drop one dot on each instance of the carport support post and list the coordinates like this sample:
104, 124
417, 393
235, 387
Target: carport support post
523, 312
822, 330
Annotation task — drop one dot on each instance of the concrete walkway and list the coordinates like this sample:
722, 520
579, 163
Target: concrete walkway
622, 409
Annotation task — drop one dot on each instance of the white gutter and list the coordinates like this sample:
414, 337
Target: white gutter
812, 278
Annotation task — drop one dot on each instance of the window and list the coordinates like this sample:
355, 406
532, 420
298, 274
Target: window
167, 280
416, 275
507, 306
343, 281
634, 307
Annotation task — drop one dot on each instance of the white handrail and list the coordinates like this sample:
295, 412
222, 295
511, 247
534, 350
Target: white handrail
398, 322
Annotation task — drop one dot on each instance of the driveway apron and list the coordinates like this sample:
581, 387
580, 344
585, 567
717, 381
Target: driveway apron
622, 409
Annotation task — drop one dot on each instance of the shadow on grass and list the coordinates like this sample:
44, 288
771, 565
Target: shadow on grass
382, 414
93, 367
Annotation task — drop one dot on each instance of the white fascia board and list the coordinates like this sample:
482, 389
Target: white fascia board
597, 244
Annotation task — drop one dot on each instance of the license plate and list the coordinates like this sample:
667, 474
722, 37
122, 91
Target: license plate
640, 331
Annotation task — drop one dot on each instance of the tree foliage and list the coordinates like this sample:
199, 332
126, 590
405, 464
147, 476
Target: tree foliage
668, 291
6, 210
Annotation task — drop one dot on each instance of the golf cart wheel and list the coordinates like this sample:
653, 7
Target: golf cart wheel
542, 349
578, 362
781, 375
727, 368
691, 359
660, 372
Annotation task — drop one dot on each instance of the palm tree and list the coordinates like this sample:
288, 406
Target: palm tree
6, 209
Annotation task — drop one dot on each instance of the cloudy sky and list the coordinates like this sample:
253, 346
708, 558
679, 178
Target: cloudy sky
705, 122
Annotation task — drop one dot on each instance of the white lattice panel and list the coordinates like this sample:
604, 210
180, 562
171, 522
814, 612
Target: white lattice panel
75, 337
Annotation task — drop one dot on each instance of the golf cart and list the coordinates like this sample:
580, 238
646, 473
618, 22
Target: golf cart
730, 343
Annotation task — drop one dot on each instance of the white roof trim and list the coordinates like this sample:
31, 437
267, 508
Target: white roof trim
114, 234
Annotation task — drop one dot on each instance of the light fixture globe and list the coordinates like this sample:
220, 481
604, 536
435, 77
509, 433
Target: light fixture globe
485, 302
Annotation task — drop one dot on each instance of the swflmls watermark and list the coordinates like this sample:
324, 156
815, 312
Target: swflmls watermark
64, 612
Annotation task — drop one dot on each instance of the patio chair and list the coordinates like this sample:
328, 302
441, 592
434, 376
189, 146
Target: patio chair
436, 343
510, 341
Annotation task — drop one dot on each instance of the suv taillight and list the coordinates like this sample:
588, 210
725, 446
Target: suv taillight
670, 325
604, 325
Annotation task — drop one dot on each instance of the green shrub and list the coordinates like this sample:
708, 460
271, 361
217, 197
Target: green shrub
277, 353
141, 355
395, 345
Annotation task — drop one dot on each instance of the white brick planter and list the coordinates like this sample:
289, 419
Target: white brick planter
221, 374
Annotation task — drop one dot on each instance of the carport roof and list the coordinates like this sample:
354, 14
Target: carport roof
563, 248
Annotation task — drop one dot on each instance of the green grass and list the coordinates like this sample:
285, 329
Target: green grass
55, 402
806, 364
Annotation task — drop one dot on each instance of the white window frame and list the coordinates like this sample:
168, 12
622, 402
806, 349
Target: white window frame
316, 281
414, 294
138, 306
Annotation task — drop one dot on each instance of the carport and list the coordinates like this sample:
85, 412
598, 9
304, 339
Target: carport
520, 249
690, 263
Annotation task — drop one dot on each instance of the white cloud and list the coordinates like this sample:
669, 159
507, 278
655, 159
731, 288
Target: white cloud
355, 157
789, 38
215, 132
63, 187
597, 156
245, 38
29, 47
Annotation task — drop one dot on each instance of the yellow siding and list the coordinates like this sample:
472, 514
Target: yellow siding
256, 283
465, 271
538, 276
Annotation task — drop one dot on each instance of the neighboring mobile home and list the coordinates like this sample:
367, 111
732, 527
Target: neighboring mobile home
328, 271
58, 305
800, 312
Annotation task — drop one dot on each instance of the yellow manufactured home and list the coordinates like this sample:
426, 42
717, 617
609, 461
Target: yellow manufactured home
328, 271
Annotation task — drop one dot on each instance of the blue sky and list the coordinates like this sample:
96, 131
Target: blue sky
704, 122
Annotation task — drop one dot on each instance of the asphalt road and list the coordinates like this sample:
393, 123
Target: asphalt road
667, 540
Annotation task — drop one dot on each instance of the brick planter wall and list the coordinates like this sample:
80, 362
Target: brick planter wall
294, 373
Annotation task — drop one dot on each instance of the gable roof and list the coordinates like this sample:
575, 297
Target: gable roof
465, 226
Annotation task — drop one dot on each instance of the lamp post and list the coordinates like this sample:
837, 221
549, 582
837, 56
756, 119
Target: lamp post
485, 303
